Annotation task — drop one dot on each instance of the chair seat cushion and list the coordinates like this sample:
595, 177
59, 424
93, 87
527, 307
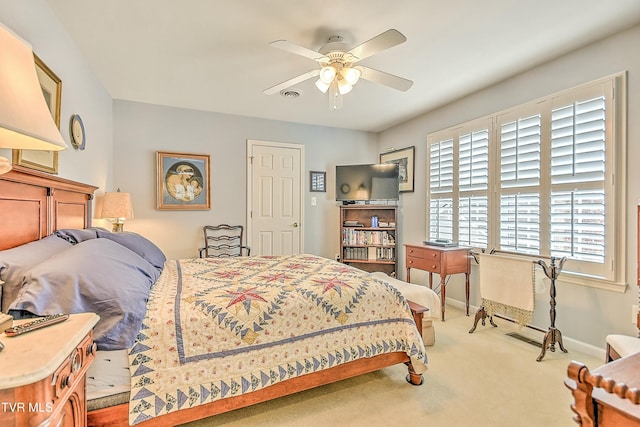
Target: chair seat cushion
624, 345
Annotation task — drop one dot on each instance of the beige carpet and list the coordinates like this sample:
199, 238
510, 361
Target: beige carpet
484, 378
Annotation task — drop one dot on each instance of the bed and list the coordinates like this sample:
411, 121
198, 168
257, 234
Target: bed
181, 367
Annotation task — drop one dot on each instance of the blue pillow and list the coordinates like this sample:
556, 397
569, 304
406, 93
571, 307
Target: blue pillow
138, 244
75, 235
98, 276
15, 261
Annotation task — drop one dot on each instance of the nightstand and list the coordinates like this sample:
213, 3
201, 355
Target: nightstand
439, 260
43, 373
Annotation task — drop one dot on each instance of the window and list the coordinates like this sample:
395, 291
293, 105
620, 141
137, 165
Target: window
538, 179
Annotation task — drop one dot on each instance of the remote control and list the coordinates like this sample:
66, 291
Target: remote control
42, 322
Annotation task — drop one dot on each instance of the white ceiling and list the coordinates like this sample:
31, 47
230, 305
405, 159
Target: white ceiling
214, 55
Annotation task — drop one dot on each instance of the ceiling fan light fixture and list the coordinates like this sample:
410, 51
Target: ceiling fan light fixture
351, 75
322, 86
344, 87
337, 71
327, 74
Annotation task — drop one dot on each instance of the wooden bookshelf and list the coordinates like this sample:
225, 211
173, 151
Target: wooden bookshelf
364, 245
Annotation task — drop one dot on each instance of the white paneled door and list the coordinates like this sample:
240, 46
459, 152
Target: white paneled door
274, 223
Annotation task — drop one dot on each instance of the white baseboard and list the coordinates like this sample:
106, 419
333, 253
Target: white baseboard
568, 342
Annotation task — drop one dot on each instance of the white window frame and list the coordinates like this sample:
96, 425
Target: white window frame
611, 274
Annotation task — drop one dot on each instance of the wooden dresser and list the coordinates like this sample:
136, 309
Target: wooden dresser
439, 260
43, 373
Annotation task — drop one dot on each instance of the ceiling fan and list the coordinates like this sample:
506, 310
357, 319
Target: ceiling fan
338, 73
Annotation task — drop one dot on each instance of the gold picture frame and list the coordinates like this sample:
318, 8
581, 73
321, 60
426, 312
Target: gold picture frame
405, 160
182, 181
46, 161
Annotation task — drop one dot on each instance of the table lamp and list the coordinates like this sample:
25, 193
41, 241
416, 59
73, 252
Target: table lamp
25, 120
118, 206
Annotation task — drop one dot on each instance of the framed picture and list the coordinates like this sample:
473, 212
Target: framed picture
51, 85
182, 181
318, 181
404, 158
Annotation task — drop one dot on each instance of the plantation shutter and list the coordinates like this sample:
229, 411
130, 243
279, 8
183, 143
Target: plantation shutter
520, 142
542, 179
441, 174
472, 186
577, 180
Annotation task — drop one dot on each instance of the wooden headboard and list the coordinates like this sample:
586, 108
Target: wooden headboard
34, 204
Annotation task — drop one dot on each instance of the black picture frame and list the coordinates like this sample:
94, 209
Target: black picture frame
405, 159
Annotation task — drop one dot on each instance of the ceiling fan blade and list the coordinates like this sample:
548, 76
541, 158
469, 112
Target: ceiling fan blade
386, 79
389, 38
299, 50
302, 77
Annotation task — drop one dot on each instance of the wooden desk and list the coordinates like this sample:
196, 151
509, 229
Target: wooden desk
609, 396
440, 260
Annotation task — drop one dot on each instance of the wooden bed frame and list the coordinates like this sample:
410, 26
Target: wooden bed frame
35, 204
609, 396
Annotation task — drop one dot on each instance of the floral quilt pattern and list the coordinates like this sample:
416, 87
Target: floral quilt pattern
218, 328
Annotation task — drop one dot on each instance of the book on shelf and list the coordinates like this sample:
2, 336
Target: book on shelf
367, 237
370, 253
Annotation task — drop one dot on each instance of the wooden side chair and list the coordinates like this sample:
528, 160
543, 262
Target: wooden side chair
223, 241
622, 345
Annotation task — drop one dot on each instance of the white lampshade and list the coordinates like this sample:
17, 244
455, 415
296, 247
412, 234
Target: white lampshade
322, 86
117, 205
351, 75
327, 74
344, 87
25, 120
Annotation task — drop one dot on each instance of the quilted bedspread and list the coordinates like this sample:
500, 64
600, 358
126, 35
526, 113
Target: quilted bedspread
218, 328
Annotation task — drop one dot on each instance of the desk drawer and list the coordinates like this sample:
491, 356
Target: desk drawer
430, 265
425, 253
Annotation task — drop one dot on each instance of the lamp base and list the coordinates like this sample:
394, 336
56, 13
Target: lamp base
118, 227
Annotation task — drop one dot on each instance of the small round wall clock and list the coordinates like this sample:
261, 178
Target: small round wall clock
76, 131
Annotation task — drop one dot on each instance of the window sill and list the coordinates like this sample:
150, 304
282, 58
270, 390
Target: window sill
592, 282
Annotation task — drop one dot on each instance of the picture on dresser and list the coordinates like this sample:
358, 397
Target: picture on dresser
182, 181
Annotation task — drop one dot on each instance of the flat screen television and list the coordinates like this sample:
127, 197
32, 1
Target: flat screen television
355, 183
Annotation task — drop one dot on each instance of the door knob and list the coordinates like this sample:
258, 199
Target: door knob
295, 224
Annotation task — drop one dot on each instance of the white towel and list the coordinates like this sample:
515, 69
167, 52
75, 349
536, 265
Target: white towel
507, 285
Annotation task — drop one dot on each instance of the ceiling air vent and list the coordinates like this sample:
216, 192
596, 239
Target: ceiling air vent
290, 93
